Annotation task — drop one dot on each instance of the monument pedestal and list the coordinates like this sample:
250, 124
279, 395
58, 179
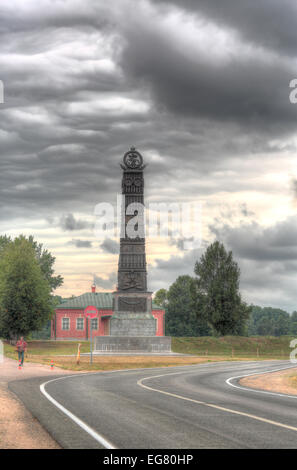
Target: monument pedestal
132, 324
132, 314
133, 344
133, 327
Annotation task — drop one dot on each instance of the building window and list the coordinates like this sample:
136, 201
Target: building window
94, 323
65, 323
79, 323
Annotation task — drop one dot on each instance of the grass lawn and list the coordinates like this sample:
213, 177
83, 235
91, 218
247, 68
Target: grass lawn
261, 347
202, 349
45, 348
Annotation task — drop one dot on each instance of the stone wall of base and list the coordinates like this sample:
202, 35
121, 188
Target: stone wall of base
129, 324
133, 344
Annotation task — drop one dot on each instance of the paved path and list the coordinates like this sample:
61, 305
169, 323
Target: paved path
18, 428
9, 370
180, 407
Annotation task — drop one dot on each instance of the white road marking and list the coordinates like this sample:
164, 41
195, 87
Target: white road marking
248, 389
107, 444
211, 405
98, 437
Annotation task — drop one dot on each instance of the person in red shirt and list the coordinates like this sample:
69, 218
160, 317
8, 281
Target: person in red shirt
21, 347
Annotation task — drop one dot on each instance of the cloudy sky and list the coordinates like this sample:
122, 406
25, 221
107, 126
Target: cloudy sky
200, 87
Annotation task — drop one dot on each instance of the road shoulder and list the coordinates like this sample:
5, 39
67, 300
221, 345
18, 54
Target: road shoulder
280, 381
19, 428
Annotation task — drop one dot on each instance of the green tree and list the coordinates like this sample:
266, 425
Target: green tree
293, 323
45, 331
269, 321
181, 318
45, 259
25, 300
281, 323
217, 291
161, 298
4, 241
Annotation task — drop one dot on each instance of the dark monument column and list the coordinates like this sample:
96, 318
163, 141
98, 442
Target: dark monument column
132, 325
132, 262
132, 302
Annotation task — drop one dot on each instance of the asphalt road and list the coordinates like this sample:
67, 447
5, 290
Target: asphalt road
173, 408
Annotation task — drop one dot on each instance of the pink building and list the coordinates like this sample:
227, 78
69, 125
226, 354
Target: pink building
69, 322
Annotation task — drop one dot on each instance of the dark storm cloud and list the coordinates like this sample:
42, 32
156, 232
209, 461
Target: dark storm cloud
271, 23
269, 284
28, 17
81, 243
181, 243
110, 246
52, 55
252, 90
108, 283
164, 272
69, 223
180, 264
254, 242
61, 143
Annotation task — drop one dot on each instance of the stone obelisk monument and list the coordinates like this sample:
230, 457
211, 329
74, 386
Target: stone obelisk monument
132, 302
132, 325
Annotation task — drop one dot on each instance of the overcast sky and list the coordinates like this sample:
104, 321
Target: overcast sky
200, 87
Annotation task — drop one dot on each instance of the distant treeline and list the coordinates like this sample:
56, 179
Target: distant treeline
269, 321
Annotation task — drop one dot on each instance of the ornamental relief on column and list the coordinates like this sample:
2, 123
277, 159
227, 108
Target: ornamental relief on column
133, 248
132, 280
132, 184
132, 304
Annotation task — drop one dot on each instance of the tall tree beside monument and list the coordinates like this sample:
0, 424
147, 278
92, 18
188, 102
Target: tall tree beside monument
25, 293
181, 318
217, 291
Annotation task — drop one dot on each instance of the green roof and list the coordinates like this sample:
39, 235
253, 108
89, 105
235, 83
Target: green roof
98, 299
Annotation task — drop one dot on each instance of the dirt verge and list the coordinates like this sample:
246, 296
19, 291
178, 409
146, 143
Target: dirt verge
18, 428
281, 381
